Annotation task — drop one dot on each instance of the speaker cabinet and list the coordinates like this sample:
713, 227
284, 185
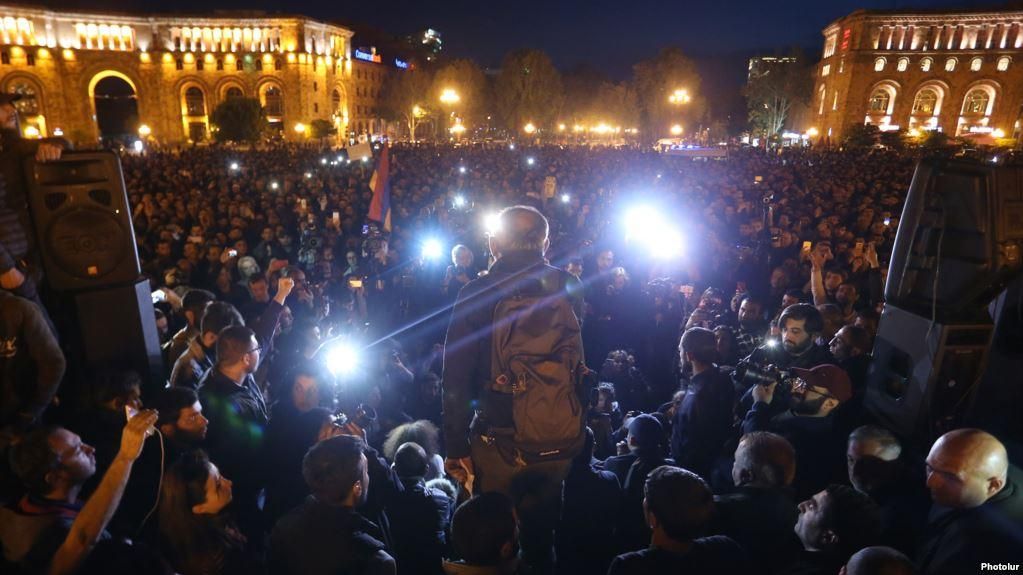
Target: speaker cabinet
83, 221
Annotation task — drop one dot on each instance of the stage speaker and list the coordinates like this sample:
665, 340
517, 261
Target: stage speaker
924, 375
959, 240
83, 221
116, 327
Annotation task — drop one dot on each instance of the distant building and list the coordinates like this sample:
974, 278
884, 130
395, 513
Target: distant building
370, 73
430, 40
761, 64
87, 75
957, 72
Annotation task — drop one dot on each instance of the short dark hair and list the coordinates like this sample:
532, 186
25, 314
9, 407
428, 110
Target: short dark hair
751, 299
113, 383
170, 401
769, 456
233, 344
859, 338
879, 561
889, 443
220, 315
256, 278
523, 228
837, 271
701, 344
33, 458
195, 301
680, 500
796, 293
410, 460
853, 517
481, 527
805, 312
331, 467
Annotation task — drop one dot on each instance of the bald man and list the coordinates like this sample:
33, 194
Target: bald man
977, 517
878, 561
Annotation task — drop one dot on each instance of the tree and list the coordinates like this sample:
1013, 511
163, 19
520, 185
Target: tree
405, 98
861, 136
466, 78
320, 129
655, 81
238, 120
528, 90
773, 90
580, 87
615, 103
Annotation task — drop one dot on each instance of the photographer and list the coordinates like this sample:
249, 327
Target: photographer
807, 421
459, 273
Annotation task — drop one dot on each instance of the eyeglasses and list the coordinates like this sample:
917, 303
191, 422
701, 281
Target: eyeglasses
801, 384
257, 348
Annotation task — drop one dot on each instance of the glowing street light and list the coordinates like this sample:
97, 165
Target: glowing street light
812, 132
998, 133
449, 96
676, 130
561, 127
145, 131
529, 128
457, 129
300, 128
679, 96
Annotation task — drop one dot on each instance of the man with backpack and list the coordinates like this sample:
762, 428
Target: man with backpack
515, 402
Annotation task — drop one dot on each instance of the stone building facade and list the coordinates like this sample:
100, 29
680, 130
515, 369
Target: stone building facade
960, 73
173, 69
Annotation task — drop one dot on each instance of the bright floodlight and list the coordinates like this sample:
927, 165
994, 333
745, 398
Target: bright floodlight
565, 198
511, 146
432, 249
365, 159
138, 146
647, 227
274, 185
459, 201
234, 166
461, 169
530, 161
492, 223
342, 359
308, 175
323, 161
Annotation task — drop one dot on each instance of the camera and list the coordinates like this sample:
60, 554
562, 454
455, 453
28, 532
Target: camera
364, 417
750, 374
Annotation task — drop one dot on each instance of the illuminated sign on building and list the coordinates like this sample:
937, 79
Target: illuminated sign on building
401, 64
367, 56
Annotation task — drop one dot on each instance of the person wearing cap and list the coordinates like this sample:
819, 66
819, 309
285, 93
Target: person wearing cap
18, 273
808, 422
646, 444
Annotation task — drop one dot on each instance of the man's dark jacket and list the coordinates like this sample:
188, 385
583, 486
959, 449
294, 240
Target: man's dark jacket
761, 521
467, 349
420, 518
31, 363
703, 422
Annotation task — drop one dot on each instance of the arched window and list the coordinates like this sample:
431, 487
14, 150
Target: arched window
335, 102
823, 94
903, 64
1003, 63
925, 102
880, 100
195, 102
273, 101
975, 64
233, 92
976, 102
950, 65
925, 64
28, 105
879, 64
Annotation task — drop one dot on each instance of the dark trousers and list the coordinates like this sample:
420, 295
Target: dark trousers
536, 492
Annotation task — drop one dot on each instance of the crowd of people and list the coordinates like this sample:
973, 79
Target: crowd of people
314, 416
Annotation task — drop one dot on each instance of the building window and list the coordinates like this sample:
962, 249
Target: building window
199, 65
834, 101
273, 101
841, 65
195, 102
233, 92
179, 64
879, 101
316, 108
925, 102
278, 64
879, 65
5, 57
820, 108
975, 64
28, 105
220, 65
335, 102
259, 65
30, 59
903, 64
825, 69
239, 65
950, 65
925, 64
976, 102
315, 86
1003, 63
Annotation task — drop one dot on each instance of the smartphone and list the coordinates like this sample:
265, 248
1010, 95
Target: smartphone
130, 411
758, 179
807, 246
858, 248
336, 217
159, 295
354, 283
687, 290
232, 253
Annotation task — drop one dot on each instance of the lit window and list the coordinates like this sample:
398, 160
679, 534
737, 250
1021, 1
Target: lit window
879, 101
925, 102
826, 69
925, 64
903, 64
28, 105
975, 64
1003, 63
879, 65
976, 102
950, 65
273, 101
834, 102
195, 102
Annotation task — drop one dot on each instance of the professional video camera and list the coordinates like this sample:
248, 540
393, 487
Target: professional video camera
364, 417
750, 374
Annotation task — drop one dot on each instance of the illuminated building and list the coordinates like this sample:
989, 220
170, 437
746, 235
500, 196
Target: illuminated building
957, 72
170, 72
370, 71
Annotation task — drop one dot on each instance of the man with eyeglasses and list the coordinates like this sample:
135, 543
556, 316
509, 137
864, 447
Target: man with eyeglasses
808, 423
238, 417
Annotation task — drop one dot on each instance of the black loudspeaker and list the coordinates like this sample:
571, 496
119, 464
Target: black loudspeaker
83, 221
116, 326
959, 240
924, 375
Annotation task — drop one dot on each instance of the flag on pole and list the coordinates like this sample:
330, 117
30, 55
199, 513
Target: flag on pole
380, 183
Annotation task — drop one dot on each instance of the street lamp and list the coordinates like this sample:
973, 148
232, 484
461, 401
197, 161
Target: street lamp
449, 96
529, 128
679, 96
144, 131
676, 130
300, 128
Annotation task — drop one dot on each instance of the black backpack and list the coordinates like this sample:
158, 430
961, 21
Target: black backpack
537, 360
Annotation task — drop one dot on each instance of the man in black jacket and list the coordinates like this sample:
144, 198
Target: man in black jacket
473, 451
31, 362
703, 422
419, 516
326, 535
978, 505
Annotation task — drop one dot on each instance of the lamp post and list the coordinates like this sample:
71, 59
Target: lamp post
678, 98
449, 97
